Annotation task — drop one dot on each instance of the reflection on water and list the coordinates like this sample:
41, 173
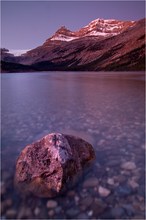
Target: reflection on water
106, 109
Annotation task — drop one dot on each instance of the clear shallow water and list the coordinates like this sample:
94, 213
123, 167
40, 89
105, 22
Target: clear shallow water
106, 109
93, 105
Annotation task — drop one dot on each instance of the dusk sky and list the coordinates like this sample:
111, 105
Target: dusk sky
27, 24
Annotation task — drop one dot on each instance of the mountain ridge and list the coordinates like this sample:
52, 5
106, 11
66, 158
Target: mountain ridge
121, 46
98, 28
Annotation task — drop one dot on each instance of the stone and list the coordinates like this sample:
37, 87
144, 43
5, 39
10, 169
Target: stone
90, 213
140, 198
129, 209
120, 179
101, 142
123, 191
52, 164
110, 181
72, 212
98, 207
139, 206
8, 202
24, 212
51, 213
2, 189
37, 211
128, 165
11, 213
2, 207
117, 212
133, 184
71, 193
91, 182
86, 201
5, 205
82, 216
143, 146
104, 192
51, 204
58, 209
113, 163
76, 198
138, 217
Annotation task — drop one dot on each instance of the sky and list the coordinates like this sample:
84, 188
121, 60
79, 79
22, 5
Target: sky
27, 24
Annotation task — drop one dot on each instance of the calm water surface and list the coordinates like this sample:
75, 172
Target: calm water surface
95, 106
106, 109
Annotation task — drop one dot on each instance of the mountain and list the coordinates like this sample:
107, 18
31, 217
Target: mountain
108, 45
99, 28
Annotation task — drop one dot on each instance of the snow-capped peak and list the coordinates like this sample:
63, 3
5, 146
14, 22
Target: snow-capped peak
98, 28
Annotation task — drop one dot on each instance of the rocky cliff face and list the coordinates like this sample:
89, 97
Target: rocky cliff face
108, 45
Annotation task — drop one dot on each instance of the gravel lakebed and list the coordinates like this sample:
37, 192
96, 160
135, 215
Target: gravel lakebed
105, 109
113, 188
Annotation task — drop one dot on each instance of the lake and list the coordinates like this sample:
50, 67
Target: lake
107, 109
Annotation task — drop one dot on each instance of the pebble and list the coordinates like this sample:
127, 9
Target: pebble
123, 191
113, 163
101, 142
86, 201
5, 204
2, 207
51, 213
143, 146
138, 206
133, 184
51, 204
98, 207
104, 192
110, 181
140, 198
90, 213
91, 182
5, 176
2, 189
138, 217
82, 216
128, 165
37, 211
120, 178
8, 202
82, 208
71, 193
125, 172
72, 212
11, 213
117, 212
107, 169
58, 209
21, 213
76, 198
129, 209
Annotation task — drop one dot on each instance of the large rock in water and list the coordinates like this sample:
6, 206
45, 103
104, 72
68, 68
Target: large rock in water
45, 168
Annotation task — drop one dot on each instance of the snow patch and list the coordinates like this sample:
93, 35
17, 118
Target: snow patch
96, 33
63, 38
17, 52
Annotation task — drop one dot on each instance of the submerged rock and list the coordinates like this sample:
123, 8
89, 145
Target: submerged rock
104, 192
51, 204
91, 182
128, 165
48, 166
11, 213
